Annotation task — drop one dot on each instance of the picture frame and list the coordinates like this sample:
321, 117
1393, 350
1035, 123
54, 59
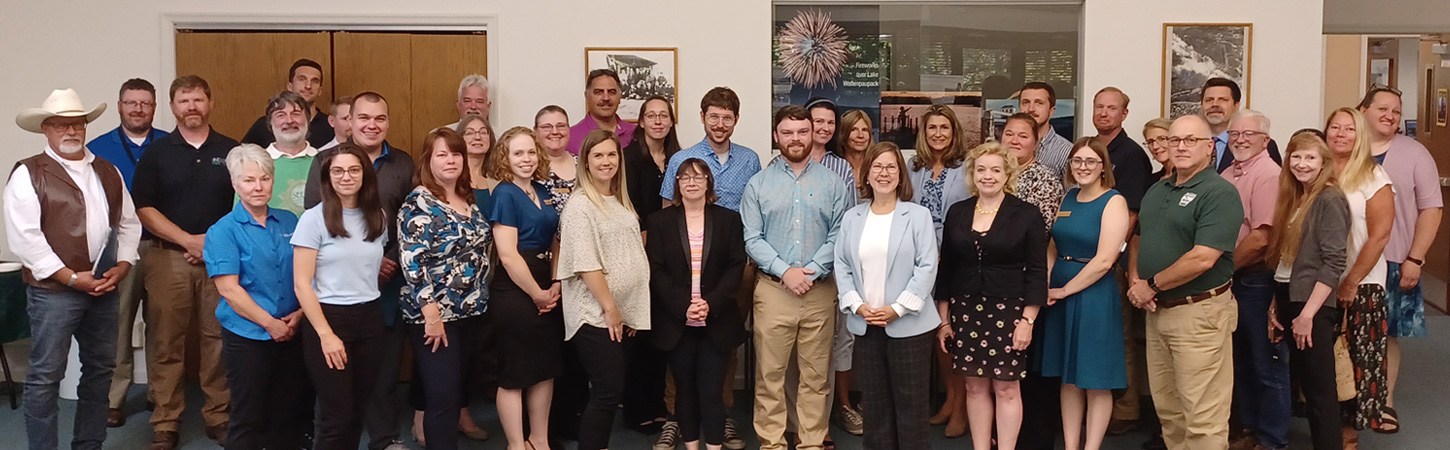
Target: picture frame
1442, 109
1195, 52
643, 71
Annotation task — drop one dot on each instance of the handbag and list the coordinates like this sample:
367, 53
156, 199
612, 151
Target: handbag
1343, 366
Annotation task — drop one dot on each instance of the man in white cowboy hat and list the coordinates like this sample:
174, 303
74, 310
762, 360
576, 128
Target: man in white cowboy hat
71, 266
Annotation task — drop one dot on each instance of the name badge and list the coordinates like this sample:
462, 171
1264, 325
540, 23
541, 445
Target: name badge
1187, 198
548, 201
1061, 214
564, 190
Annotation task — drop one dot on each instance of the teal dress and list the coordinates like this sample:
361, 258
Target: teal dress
1082, 335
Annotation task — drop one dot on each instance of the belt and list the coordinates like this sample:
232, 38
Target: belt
169, 245
1074, 259
1195, 298
769, 276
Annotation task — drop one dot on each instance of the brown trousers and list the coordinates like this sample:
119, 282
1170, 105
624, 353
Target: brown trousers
181, 297
806, 325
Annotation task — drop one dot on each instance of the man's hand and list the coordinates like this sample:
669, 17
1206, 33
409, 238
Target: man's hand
113, 277
1348, 289
1409, 275
1142, 296
798, 280
193, 244
86, 282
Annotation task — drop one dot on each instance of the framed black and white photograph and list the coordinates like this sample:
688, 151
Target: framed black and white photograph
643, 72
1195, 52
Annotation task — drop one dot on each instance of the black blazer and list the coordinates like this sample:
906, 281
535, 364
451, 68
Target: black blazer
1013, 262
722, 264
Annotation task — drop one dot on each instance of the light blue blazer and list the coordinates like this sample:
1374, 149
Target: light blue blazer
910, 269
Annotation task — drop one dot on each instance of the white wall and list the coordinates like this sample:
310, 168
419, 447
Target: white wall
1123, 41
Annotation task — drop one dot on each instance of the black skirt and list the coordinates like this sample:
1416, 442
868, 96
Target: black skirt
530, 345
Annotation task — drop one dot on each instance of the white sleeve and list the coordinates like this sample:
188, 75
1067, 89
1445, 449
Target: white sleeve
22, 227
128, 232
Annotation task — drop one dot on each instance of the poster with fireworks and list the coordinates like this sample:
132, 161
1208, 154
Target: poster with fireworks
817, 56
1195, 52
643, 72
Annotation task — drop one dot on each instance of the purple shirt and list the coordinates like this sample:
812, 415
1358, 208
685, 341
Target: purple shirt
1417, 186
587, 124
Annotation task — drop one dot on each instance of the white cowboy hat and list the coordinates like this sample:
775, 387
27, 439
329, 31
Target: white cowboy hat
61, 103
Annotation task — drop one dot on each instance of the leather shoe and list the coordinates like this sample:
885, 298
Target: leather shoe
218, 433
163, 440
1120, 427
115, 418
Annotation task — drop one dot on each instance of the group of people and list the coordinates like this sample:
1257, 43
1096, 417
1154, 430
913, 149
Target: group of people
565, 270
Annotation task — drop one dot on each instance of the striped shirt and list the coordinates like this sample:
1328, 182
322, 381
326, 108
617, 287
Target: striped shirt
1053, 151
697, 253
730, 176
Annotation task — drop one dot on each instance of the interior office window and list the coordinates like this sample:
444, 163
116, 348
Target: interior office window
892, 60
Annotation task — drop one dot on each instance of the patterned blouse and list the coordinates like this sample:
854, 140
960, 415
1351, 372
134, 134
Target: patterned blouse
444, 257
932, 198
1040, 186
559, 190
604, 238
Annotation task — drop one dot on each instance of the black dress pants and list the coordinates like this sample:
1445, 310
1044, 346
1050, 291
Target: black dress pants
1313, 368
343, 395
606, 362
267, 381
699, 370
441, 376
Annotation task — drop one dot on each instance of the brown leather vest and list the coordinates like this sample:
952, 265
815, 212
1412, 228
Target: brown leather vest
63, 211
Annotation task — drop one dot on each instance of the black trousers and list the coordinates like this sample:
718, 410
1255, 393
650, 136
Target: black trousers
699, 370
441, 377
343, 395
606, 362
267, 381
1313, 368
644, 392
481, 374
1041, 405
895, 379
571, 395
381, 420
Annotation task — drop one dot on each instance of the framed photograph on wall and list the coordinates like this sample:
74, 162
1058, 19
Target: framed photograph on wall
643, 72
1441, 112
1195, 52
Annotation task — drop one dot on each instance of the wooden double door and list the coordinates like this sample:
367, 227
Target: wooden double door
418, 73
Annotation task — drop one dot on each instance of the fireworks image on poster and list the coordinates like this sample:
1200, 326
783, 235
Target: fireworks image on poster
813, 49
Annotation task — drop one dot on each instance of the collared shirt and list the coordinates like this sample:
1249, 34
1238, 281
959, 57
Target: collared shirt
261, 258
330, 144
289, 178
23, 211
624, 130
1417, 186
1132, 173
319, 131
1257, 180
1205, 210
841, 167
730, 176
444, 258
1220, 149
118, 149
188, 185
791, 220
1053, 151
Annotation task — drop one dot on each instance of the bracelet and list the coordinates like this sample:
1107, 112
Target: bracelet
430, 322
1417, 261
1030, 322
72, 282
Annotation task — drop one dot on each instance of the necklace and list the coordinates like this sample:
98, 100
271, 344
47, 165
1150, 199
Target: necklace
987, 212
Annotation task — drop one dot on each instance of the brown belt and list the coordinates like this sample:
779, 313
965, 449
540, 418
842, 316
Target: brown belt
769, 276
1195, 298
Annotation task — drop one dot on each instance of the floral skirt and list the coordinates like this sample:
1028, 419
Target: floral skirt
983, 344
1367, 336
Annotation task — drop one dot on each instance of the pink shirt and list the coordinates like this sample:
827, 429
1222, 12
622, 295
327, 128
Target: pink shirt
625, 132
1417, 186
1257, 180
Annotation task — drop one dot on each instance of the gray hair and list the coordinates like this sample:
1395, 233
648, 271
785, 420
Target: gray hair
472, 80
241, 155
288, 98
1251, 114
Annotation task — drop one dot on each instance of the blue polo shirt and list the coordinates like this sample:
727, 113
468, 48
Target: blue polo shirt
261, 257
117, 149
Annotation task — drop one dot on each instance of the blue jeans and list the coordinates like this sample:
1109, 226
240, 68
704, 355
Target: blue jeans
1261, 368
55, 316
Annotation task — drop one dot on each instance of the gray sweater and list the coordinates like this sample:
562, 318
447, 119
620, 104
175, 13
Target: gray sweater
1321, 256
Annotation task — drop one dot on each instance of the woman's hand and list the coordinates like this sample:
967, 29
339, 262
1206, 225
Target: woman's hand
615, 323
1022, 336
945, 334
334, 351
1053, 295
434, 334
1348, 289
278, 330
1303, 330
698, 311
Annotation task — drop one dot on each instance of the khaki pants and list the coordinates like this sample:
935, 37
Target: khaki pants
803, 325
129, 293
1190, 371
181, 296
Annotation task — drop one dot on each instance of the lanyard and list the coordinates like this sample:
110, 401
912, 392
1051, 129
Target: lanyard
126, 144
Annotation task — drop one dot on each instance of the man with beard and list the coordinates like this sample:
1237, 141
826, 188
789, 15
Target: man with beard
305, 79
601, 95
182, 187
791, 211
472, 99
1039, 100
122, 147
291, 154
731, 164
1218, 103
369, 124
70, 221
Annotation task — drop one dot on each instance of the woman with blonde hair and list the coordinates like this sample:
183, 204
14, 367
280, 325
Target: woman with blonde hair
1155, 139
1308, 251
1361, 291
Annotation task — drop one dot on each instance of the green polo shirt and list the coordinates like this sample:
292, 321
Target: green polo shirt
1206, 211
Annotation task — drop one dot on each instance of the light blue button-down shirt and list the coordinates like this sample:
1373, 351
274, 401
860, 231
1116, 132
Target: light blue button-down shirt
791, 220
730, 176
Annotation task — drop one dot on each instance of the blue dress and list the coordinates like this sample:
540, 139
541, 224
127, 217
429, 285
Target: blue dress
1082, 335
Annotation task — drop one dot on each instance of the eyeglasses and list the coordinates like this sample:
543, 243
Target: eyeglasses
719, 119
1246, 134
1191, 141
137, 104
74, 126
1086, 163
658, 117
885, 169
1158, 140
693, 178
550, 127
470, 134
336, 172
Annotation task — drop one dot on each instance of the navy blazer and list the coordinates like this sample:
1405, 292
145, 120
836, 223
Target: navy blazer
910, 268
722, 264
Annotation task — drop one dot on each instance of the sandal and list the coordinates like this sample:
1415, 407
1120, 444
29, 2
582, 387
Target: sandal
828, 444
1388, 418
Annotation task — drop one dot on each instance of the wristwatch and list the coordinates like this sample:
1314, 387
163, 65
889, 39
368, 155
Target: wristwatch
1029, 321
72, 282
1417, 261
1153, 284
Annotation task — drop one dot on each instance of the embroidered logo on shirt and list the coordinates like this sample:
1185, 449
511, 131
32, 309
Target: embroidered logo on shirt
1187, 198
